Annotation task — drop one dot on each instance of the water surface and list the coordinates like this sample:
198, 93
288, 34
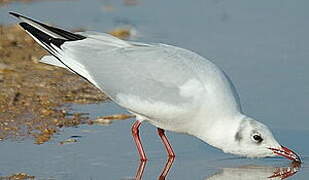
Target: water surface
261, 45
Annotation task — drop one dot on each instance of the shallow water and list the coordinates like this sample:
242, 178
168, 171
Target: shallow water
262, 45
108, 152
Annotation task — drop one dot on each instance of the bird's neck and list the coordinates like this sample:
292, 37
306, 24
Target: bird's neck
221, 132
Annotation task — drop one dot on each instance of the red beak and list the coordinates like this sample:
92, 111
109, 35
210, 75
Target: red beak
287, 153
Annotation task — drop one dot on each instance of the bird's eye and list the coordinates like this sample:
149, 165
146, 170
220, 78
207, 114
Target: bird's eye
257, 138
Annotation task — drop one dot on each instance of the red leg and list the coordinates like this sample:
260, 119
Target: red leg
140, 170
135, 134
167, 145
167, 168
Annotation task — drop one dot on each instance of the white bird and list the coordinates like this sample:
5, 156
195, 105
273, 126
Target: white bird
172, 88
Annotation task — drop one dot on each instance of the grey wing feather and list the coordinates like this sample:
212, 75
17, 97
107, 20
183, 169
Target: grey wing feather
147, 73
143, 76
140, 71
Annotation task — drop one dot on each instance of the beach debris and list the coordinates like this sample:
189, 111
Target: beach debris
18, 176
106, 120
72, 139
123, 33
44, 136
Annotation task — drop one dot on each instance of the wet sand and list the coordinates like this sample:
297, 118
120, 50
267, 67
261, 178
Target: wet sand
18, 176
32, 95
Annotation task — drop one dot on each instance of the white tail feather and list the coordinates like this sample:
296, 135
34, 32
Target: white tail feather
51, 60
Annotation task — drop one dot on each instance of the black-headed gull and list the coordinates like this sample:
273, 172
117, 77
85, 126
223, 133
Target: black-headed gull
172, 88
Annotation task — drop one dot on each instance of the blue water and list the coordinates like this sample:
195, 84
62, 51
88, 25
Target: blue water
262, 45
108, 152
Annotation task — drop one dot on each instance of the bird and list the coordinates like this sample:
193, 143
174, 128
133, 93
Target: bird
170, 87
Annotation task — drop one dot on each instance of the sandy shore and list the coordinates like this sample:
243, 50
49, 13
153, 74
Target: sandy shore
32, 94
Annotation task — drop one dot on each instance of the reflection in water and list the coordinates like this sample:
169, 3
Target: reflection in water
140, 170
166, 168
252, 172
248, 172
164, 173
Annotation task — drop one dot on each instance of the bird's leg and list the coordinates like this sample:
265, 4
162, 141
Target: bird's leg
140, 170
167, 168
135, 134
167, 145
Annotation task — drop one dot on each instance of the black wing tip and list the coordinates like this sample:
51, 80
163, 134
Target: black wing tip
43, 37
15, 14
24, 25
65, 34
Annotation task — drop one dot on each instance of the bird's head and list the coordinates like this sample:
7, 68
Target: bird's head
254, 139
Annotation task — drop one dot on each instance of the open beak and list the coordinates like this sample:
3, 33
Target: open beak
287, 153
